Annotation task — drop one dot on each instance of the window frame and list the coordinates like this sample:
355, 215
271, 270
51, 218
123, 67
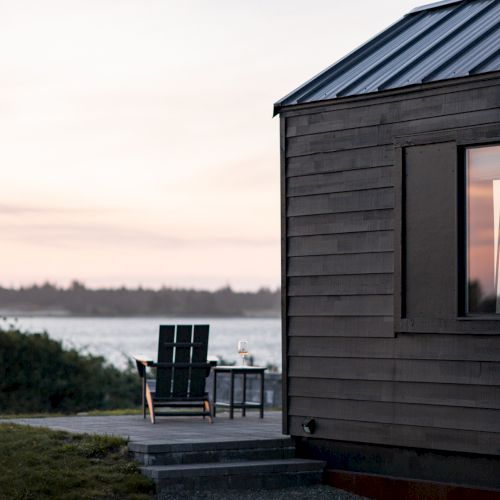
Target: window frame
466, 314
461, 322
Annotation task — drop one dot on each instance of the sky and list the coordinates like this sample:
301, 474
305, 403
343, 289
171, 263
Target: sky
137, 144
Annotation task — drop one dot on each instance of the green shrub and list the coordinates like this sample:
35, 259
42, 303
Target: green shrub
38, 375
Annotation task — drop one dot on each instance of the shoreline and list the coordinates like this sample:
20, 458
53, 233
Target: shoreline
50, 314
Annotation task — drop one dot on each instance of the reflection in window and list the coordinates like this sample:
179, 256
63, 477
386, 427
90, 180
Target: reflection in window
483, 229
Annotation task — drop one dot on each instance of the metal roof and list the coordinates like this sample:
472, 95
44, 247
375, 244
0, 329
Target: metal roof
439, 41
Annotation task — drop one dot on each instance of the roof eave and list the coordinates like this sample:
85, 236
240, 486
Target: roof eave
279, 107
302, 88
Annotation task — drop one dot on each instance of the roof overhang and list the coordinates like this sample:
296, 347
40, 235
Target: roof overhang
436, 42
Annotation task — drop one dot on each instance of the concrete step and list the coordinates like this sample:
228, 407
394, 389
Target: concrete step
155, 453
249, 474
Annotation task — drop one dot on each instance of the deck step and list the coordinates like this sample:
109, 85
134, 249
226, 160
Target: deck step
212, 452
180, 468
248, 474
165, 447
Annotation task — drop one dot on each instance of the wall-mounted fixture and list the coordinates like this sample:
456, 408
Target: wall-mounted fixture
309, 425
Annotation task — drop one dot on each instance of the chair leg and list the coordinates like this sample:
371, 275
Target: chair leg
207, 407
151, 407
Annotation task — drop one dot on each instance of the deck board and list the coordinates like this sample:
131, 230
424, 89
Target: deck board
168, 429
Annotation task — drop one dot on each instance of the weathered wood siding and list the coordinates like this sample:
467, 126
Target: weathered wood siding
346, 366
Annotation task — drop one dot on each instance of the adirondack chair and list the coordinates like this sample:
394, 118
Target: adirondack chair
181, 372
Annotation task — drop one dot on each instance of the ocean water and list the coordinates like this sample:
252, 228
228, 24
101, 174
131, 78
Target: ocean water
119, 338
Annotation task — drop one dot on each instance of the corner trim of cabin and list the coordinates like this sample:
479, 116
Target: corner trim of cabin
459, 323
284, 292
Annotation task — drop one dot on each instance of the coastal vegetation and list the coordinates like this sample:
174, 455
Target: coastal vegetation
38, 375
38, 463
79, 300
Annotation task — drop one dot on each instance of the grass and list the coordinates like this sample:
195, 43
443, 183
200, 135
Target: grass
109, 413
38, 463
10, 416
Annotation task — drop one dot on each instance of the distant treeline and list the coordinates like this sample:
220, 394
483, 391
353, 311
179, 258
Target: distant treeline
80, 300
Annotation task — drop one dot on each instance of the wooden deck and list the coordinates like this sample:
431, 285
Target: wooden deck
168, 429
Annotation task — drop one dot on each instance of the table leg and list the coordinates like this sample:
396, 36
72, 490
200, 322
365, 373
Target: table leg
231, 397
214, 393
243, 409
262, 395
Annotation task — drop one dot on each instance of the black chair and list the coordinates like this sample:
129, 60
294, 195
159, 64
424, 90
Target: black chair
181, 372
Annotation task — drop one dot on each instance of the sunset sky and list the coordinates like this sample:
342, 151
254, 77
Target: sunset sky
137, 143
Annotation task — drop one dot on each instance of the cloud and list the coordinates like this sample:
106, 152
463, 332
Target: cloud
112, 235
13, 209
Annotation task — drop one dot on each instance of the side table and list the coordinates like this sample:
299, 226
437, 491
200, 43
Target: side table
244, 404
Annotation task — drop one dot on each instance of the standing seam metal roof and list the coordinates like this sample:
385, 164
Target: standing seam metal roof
439, 41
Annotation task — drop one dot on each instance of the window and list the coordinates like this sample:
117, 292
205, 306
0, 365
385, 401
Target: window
483, 229
447, 234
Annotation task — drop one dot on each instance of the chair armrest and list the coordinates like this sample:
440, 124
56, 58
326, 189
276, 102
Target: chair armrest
145, 360
212, 363
142, 362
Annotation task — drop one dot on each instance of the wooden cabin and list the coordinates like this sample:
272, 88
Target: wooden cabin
390, 172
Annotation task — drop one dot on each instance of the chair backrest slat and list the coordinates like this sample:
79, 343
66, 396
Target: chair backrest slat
182, 346
182, 355
165, 355
200, 349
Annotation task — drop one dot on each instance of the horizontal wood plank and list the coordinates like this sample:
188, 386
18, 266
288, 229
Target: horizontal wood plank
401, 370
389, 97
354, 326
347, 222
469, 396
401, 435
356, 201
337, 161
479, 134
429, 346
359, 305
470, 419
330, 244
465, 326
323, 265
351, 180
384, 134
409, 109
360, 284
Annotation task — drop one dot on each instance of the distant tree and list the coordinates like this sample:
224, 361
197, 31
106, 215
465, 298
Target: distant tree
79, 300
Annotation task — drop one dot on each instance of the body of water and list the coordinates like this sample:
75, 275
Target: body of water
119, 338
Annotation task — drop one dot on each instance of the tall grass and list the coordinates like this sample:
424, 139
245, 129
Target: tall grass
39, 464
